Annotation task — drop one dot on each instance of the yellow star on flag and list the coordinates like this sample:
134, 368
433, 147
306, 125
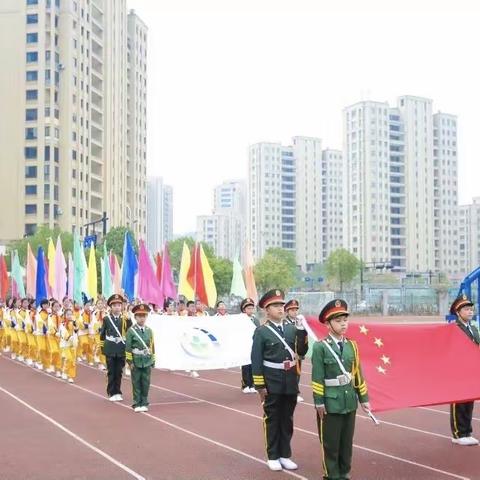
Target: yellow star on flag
378, 342
381, 370
363, 329
385, 359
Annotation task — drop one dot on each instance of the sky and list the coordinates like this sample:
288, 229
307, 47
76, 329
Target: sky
224, 74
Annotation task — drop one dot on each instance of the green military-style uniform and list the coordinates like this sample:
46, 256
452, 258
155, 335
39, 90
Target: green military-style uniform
339, 394
113, 346
461, 414
140, 355
275, 370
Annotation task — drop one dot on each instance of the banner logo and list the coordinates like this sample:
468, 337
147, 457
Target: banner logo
199, 343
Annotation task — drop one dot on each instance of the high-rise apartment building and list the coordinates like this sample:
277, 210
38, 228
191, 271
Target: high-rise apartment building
225, 229
469, 237
159, 214
66, 113
400, 175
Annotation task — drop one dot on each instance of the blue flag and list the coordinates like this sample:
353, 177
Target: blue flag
129, 268
41, 290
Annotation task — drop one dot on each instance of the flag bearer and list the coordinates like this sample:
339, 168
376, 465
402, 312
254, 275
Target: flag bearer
68, 345
248, 308
41, 327
337, 384
22, 314
53, 340
140, 355
112, 341
275, 377
461, 413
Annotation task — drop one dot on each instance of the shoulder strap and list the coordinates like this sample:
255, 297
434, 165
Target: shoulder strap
287, 346
116, 328
134, 330
335, 356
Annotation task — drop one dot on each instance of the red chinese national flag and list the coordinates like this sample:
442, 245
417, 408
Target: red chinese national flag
413, 365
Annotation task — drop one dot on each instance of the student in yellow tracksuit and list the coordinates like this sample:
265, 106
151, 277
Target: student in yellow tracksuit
22, 313
68, 346
41, 328
11, 322
30, 333
53, 340
83, 323
97, 315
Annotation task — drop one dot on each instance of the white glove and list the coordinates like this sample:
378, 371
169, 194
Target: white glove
299, 322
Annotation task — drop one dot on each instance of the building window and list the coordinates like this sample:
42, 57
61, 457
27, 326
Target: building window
30, 152
30, 172
47, 153
30, 209
74, 154
31, 95
30, 189
55, 155
32, 57
31, 114
32, 18
30, 229
32, 37
46, 210
31, 133
32, 2
46, 191
31, 76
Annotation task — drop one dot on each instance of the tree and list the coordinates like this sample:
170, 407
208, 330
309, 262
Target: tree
40, 238
222, 274
342, 267
276, 269
115, 239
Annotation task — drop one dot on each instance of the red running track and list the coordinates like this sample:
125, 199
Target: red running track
197, 429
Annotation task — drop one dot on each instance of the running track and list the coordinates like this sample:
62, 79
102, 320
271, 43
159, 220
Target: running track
197, 429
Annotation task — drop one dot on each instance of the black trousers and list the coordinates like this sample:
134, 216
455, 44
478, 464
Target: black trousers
336, 436
278, 424
114, 374
247, 378
461, 419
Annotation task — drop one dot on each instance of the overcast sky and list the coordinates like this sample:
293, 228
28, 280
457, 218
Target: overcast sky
224, 74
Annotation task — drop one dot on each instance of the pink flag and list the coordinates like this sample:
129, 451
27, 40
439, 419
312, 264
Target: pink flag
70, 276
116, 273
60, 272
167, 286
31, 273
147, 287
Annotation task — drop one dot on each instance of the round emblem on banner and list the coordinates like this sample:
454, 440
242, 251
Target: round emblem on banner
199, 343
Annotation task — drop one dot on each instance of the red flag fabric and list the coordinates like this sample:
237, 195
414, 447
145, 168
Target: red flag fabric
413, 365
3, 278
158, 267
195, 276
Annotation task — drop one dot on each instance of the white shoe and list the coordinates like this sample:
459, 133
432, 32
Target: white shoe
119, 398
50, 370
101, 366
20, 358
91, 364
63, 375
274, 465
116, 398
113, 398
246, 390
300, 398
465, 441
40, 366
14, 356
29, 362
194, 374
144, 409
287, 464
138, 409
79, 359
84, 357
6, 349
70, 380
58, 374
252, 390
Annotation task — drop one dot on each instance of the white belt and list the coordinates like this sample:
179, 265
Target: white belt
286, 365
144, 352
339, 381
114, 339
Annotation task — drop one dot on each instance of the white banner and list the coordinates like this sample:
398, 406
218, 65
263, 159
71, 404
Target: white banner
201, 343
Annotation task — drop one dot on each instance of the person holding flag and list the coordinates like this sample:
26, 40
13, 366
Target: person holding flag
276, 378
337, 384
461, 413
140, 355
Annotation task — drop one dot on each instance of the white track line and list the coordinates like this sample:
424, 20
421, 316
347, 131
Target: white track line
74, 436
172, 425
176, 403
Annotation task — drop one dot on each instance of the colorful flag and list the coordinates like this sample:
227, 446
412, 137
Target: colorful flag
92, 273
184, 287
51, 266
71, 270
31, 272
413, 365
249, 276
129, 268
167, 285
60, 289
116, 273
148, 287
80, 271
195, 276
3, 277
238, 285
41, 285
158, 267
208, 280
18, 289
107, 287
